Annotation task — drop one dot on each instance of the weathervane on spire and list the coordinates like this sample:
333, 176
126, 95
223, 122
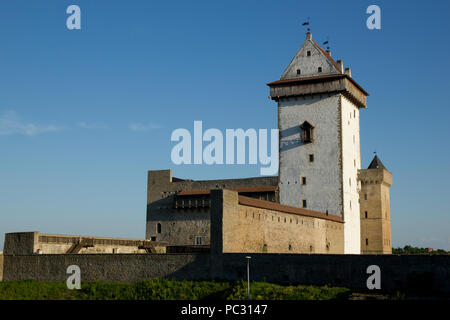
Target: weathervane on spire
327, 43
307, 24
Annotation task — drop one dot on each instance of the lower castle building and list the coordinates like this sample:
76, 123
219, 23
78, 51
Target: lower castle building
250, 219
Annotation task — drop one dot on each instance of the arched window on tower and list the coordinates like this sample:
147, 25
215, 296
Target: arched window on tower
307, 132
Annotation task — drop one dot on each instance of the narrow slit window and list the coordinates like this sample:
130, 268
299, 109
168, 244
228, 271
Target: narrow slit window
303, 180
304, 203
158, 228
367, 241
366, 214
311, 158
198, 240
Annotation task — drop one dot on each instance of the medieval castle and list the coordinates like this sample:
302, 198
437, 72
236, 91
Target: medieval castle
320, 202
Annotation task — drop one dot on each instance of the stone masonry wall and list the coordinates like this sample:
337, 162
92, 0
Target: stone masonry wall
23, 243
254, 229
181, 227
425, 274
374, 197
1, 266
20, 242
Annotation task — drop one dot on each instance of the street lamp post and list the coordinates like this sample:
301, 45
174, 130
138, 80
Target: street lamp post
248, 276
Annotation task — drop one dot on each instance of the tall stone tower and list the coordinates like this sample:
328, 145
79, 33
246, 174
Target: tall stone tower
375, 212
318, 119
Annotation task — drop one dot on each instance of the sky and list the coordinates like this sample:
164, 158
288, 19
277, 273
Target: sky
84, 114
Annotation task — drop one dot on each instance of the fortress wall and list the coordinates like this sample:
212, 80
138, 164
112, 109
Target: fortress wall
422, 273
20, 242
1, 266
23, 243
107, 267
254, 228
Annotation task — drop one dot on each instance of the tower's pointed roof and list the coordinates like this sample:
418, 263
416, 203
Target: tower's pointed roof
376, 164
314, 71
307, 61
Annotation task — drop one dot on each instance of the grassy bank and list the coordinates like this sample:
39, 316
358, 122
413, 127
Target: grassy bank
162, 289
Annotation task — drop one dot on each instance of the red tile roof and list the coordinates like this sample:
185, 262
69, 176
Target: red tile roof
328, 57
246, 201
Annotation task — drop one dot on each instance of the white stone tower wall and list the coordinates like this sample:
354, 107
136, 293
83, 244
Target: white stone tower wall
323, 189
351, 162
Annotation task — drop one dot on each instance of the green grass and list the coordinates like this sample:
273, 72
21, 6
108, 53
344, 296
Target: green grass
163, 289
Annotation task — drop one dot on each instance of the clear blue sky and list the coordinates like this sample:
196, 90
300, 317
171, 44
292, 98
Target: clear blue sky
84, 114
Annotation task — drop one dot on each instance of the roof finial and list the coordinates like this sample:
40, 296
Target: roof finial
307, 24
327, 42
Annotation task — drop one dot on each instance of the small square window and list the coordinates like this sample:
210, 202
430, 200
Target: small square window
298, 71
311, 158
304, 203
308, 53
153, 238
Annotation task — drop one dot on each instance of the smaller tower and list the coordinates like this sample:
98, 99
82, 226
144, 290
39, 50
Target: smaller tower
375, 212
